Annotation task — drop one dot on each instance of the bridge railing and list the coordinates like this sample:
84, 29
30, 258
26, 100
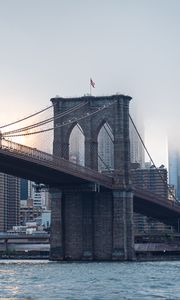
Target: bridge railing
52, 160
33, 152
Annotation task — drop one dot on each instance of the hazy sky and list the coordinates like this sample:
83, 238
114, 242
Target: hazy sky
51, 47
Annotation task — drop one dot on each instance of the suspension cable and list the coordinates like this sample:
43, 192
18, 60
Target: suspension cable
8, 134
101, 108
102, 160
110, 129
43, 122
150, 157
105, 164
108, 133
25, 118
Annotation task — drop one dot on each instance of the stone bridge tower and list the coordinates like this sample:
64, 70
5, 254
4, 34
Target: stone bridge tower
90, 222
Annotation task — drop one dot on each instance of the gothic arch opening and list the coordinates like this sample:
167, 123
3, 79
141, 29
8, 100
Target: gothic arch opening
77, 145
105, 148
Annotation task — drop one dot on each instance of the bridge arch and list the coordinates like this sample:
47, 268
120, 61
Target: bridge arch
102, 123
76, 144
111, 109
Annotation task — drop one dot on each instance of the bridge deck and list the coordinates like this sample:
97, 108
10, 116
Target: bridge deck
35, 165
30, 163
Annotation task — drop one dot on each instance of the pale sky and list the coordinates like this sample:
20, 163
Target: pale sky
51, 47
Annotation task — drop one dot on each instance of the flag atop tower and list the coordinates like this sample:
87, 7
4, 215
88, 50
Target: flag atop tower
92, 83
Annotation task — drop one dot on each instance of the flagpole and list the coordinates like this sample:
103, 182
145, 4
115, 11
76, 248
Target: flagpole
90, 86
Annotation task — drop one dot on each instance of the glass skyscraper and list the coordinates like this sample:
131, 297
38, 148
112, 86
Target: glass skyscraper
174, 168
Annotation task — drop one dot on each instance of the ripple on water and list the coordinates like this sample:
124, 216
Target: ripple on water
89, 281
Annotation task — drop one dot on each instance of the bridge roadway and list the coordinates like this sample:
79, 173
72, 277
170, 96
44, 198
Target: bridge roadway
41, 167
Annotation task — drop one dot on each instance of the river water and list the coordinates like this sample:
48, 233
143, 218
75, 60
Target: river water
32, 279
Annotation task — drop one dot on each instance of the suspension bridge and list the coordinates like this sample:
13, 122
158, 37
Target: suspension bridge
92, 207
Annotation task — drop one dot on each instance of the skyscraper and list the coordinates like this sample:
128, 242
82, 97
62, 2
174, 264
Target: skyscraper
24, 190
105, 148
136, 147
9, 201
2, 202
174, 167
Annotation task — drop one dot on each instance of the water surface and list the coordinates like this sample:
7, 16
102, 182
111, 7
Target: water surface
75, 281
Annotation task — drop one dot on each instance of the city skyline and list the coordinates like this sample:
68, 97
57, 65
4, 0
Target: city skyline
90, 77
128, 47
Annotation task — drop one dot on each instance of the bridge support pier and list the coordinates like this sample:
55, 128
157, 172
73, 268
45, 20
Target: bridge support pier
90, 225
56, 250
87, 226
119, 226
130, 226
123, 236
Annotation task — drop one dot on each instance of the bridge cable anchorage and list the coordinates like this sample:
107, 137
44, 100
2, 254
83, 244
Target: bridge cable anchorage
46, 121
150, 157
64, 124
27, 117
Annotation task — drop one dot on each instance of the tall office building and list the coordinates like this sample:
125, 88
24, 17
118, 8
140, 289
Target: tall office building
40, 196
136, 147
9, 201
174, 167
24, 189
2, 202
105, 148
35, 192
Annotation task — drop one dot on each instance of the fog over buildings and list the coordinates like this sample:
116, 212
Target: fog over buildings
174, 163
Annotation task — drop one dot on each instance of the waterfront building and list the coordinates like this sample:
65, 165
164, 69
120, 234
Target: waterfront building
44, 219
29, 213
40, 196
154, 180
38, 201
151, 179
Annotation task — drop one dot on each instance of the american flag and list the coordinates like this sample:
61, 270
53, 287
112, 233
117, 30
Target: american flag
92, 83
